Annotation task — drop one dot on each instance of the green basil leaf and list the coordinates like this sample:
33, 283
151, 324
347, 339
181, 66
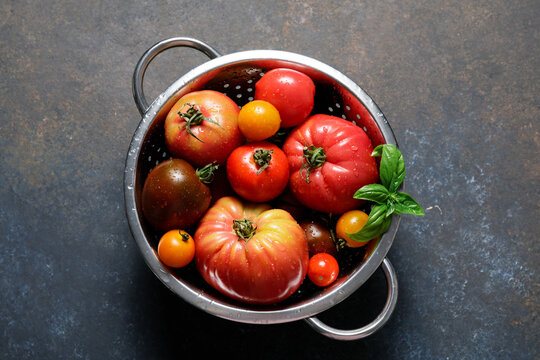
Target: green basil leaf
376, 224
373, 192
405, 204
377, 152
392, 168
390, 209
386, 224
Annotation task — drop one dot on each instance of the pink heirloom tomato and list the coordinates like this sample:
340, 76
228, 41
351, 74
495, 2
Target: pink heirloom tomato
250, 252
329, 159
202, 127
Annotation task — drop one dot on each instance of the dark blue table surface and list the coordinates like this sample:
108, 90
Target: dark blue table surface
458, 82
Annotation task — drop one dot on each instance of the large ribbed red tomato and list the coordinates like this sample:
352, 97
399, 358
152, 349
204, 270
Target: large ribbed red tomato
329, 159
250, 252
202, 127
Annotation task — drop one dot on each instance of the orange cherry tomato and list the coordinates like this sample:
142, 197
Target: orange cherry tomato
176, 248
350, 222
323, 269
258, 120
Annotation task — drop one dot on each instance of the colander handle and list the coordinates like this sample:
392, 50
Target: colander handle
140, 69
376, 324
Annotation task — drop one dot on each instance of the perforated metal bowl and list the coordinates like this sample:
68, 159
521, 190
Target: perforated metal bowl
235, 75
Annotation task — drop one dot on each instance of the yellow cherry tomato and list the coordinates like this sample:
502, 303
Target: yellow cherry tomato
258, 120
176, 248
350, 222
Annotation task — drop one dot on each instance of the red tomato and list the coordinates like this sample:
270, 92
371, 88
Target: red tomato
290, 91
329, 159
323, 269
258, 171
250, 252
202, 127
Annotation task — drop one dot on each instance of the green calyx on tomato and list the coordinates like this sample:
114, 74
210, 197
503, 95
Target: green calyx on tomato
185, 236
387, 199
244, 229
314, 157
194, 116
207, 173
262, 158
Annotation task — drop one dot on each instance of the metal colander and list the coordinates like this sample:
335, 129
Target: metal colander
235, 75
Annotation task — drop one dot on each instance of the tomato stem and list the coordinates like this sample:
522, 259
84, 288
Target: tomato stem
193, 116
314, 157
244, 229
207, 173
330, 223
262, 158
185, 236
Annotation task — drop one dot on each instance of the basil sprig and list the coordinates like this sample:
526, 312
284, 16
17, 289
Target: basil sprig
387, 200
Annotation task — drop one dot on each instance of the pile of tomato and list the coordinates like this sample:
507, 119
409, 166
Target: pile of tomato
260, 197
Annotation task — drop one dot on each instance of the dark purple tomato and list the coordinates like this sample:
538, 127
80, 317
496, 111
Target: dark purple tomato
173, 196
319, 238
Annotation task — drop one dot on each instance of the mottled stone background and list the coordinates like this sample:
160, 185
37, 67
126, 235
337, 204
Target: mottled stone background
458, 82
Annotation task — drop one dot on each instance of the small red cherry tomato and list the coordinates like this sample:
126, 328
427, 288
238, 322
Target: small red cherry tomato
290, 91
258, 171
176, 248
323, 269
